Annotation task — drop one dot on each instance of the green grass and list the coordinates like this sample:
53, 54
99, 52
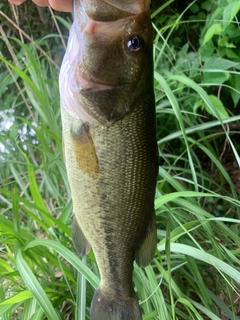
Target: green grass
196, 271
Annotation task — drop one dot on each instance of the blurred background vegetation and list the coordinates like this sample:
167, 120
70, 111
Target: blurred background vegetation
196, 271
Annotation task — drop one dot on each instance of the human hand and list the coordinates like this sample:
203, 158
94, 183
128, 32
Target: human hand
63, 5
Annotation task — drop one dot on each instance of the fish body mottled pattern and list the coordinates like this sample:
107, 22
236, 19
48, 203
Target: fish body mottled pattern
108, 117
114, 203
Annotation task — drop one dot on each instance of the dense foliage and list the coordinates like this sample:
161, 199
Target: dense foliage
196, 270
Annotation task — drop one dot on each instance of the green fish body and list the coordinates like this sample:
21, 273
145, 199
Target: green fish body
108, 116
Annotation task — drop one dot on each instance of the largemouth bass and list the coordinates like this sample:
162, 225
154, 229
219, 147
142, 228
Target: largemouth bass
108, 117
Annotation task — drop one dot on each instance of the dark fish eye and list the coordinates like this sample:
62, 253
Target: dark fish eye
135, 43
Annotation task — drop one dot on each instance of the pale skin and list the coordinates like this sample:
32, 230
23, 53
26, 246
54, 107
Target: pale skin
63, 5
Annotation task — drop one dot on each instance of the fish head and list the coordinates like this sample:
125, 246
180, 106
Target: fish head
111, 58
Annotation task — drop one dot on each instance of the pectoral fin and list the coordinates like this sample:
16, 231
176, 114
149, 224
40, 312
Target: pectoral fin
84, 150
146, 252
80, 242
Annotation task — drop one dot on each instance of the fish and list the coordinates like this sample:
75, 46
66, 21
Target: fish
110, 148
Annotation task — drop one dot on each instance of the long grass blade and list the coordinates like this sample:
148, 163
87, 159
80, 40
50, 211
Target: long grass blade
70, 257
35, 288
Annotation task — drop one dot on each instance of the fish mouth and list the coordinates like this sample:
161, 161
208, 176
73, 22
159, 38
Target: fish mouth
87, 82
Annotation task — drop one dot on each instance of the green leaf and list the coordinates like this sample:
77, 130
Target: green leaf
21, 296
207, 100
5, 308
38, 315
235, 92
163, 199
70, 257
220, 265
215, 78
64, 22
219, 64
188, 304
224, 42
65, 228
230, 12
80, 310
35, 287
204, 310
214, 70
36, 194
215, 29
176, 108
222, 112
30, 307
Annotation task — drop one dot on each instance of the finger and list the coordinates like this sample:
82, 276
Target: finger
41, 3
63, 5
16, 2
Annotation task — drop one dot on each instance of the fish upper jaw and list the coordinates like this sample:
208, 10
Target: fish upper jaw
109, 10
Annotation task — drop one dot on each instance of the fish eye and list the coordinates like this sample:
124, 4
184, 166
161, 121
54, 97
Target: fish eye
135, 43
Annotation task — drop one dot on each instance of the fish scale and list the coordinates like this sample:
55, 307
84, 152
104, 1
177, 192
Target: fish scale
110, 150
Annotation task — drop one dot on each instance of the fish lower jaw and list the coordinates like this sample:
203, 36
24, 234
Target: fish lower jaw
83, 84
95, 87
